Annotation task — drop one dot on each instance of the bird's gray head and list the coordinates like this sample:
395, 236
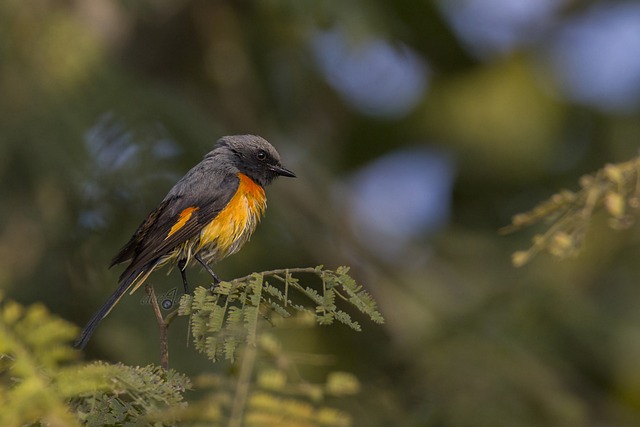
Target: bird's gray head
252, 156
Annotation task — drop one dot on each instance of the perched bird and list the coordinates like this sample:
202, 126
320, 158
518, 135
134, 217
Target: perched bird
208, 215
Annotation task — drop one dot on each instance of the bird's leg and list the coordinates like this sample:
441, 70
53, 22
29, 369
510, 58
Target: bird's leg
216, 280
182, 266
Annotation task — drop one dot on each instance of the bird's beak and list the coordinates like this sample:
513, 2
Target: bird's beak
282, 171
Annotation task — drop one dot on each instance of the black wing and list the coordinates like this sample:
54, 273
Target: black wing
179, 217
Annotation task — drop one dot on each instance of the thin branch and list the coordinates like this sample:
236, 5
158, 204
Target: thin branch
313, 270
344, 298
244, 385
162, 325
275, 275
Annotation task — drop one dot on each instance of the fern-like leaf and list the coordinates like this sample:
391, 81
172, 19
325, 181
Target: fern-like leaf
103, 394
231, 316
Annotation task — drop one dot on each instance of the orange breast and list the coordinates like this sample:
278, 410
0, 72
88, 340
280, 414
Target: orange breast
234, 225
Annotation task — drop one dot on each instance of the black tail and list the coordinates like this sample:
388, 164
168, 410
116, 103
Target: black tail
91, 326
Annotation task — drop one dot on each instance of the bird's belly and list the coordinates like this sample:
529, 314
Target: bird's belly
233, 226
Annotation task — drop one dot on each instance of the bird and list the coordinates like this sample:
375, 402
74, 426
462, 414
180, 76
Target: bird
209, 214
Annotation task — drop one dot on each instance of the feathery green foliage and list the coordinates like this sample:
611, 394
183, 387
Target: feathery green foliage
41, 381
104, 394
269, 391
32, 346
616, 187
228, 318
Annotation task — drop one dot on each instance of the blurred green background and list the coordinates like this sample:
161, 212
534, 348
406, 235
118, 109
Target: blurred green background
416, 128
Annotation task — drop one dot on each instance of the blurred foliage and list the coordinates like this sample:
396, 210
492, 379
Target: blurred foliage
614, 187
278, 396
32, 348
106, 103
39, 383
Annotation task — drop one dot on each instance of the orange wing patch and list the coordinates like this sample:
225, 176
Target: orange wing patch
182, 220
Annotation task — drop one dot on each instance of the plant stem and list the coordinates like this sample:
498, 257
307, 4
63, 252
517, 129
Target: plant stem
162, 325
244, 384
280, 271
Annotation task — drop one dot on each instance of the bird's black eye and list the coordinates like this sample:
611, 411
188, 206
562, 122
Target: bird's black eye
261, 155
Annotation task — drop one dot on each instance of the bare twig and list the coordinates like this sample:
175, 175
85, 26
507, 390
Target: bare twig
162, 325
